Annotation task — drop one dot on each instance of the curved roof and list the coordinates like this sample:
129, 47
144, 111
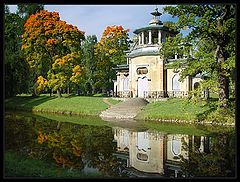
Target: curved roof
154, 27
121, 67
144, 51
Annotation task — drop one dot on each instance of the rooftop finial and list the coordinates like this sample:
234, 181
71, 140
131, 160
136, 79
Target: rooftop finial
156, 17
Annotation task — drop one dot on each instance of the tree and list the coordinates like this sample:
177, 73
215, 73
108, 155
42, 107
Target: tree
171, 25
214, 26
16, 69
53, 49
17, 74
89, 61
110, 52
26, 10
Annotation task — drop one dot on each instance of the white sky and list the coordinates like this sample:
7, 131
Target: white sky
93, 19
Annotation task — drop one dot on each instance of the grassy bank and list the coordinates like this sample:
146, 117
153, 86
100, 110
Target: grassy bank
20, 166
173, 109
66, 105
183, 110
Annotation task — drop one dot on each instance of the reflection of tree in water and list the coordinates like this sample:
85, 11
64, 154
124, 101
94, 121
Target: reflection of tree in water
68, 145
217, 159
77, 146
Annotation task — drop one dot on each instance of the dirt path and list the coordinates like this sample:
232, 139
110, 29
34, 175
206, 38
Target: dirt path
105, 100
127, 109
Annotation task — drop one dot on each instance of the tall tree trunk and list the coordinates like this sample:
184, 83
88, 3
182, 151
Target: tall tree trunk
59, 93
222, 78
93, 90
50, 92
221, 57
34, 92
223, 90
68, 90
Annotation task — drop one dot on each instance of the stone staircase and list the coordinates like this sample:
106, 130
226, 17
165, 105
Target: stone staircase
127, 109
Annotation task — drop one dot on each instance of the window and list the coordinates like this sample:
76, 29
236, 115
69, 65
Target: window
142, 157
155, 37
176, 147
142, 70
196, 85
175, 83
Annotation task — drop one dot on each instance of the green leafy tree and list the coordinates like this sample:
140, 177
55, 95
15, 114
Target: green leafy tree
53, 50
26, 10
17, 73
110, 52
171, 25
213, 27
16, 69
89, 61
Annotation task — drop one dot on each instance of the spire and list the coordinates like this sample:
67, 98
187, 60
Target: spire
156, 18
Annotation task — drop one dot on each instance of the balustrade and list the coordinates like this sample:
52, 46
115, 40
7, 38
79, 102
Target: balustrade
152, 94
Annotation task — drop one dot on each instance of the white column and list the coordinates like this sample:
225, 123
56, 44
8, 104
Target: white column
159, 37
142, 37
139, 39
175, 55
149, 37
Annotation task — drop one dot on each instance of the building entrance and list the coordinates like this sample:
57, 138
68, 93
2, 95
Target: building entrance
142, 86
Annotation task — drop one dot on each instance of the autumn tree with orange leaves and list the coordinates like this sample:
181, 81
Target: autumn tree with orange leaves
53, 50
110, 52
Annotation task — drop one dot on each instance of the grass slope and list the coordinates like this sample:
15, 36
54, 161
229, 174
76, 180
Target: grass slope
174, 108
69, 105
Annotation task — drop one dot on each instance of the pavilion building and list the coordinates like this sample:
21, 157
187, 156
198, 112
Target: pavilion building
145, 73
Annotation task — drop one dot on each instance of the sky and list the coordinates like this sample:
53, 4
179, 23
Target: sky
93, 19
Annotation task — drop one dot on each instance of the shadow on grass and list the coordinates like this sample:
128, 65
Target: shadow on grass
90, 95
71, 96
211, 105
25, 103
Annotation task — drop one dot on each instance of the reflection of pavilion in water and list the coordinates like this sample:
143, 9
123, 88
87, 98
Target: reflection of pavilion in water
154, 152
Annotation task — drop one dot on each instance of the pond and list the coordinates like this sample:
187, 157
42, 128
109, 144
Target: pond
93, 147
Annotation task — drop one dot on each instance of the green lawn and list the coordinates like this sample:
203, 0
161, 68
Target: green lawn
176, 109
173, 108
69, 104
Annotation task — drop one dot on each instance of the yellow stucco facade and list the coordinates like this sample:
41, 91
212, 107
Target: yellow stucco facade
154, 74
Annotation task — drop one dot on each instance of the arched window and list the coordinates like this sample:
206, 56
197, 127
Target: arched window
176, 147
142, 70
196, 85
175, 83
126, 139
142, 157
142, 141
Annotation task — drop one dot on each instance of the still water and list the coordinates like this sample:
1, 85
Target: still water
114, 150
